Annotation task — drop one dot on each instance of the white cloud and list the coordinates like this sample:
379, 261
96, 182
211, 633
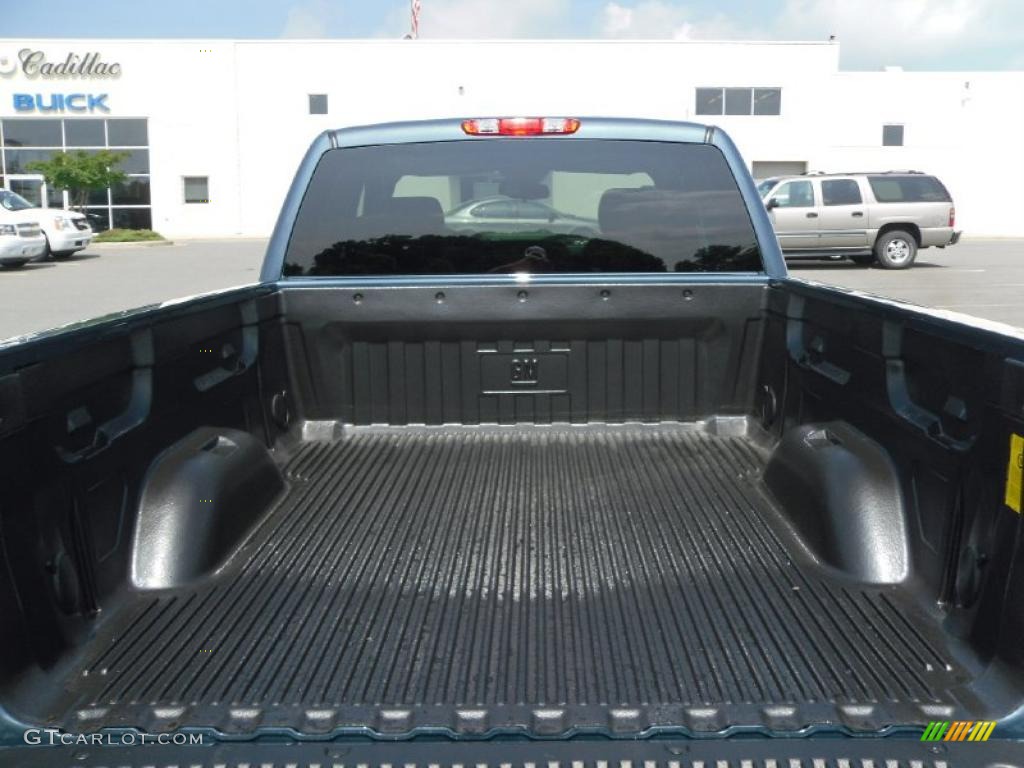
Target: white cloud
889, 31
872, 32
656, 19
307, 20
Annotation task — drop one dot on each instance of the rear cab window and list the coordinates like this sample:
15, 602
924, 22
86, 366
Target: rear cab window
908, 189
514, 205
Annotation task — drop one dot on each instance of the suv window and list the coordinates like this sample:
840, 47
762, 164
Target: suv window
840, 192
908, 189
643, 206
795, 194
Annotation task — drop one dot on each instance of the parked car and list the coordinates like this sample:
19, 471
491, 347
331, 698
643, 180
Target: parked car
65, 232
21, 238
507, 214
654, 503
866, 217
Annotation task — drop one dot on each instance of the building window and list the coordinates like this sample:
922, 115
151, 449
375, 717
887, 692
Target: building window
892, 135
768, 169
318, 103
767, 101
33, 132
85, 133
709, 101
133, 191
23, 140
127, 133
197, 189
739, 101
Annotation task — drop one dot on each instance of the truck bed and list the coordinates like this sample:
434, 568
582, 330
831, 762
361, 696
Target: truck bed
543, 579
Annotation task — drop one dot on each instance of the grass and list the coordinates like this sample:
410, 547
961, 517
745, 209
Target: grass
127, 236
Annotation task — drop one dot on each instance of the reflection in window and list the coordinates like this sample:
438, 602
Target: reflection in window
908, 189
739, 101
17, 160
499, 210
133, 218
98, 197
136, 162
54, 197
709, 101
767, 101
688, 216
528, 210
98, 218
133, 191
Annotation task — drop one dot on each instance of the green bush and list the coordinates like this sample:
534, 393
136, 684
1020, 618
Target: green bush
127, 236
82, 172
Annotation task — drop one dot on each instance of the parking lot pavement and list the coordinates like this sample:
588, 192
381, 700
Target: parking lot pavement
981, 277
110, 278
978, 277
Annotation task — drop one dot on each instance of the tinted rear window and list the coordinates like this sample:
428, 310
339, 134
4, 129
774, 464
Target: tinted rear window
522, 205
908, 189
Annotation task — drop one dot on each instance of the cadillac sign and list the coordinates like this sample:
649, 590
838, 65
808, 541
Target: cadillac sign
36, 65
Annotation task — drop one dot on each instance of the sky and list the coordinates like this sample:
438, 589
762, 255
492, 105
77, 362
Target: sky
915, 34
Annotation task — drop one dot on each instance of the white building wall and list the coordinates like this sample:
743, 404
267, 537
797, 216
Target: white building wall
237, 111
380, 81
963, 127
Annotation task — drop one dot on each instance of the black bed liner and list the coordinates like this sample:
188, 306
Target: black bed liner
541, 579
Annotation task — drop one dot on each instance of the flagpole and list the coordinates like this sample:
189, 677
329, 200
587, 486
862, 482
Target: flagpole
415, 12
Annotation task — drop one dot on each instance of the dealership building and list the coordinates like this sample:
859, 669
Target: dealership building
214, 129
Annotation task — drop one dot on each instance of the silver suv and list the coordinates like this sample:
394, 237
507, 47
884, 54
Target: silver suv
866, 217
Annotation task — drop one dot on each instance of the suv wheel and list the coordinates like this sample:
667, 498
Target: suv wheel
896, 249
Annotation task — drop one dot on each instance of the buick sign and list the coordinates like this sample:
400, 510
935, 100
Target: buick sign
61, 102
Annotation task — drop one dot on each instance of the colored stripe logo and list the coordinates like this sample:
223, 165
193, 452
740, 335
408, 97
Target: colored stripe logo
960, 730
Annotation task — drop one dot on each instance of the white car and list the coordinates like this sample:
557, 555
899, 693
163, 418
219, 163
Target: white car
65, 232
21, 239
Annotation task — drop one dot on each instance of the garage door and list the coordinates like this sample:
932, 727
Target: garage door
766, 169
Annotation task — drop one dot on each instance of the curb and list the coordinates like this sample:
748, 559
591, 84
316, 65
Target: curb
133, 244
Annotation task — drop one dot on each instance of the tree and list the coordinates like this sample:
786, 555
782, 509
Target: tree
81, 172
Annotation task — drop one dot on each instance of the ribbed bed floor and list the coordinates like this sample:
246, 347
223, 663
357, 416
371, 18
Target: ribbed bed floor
542, 579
